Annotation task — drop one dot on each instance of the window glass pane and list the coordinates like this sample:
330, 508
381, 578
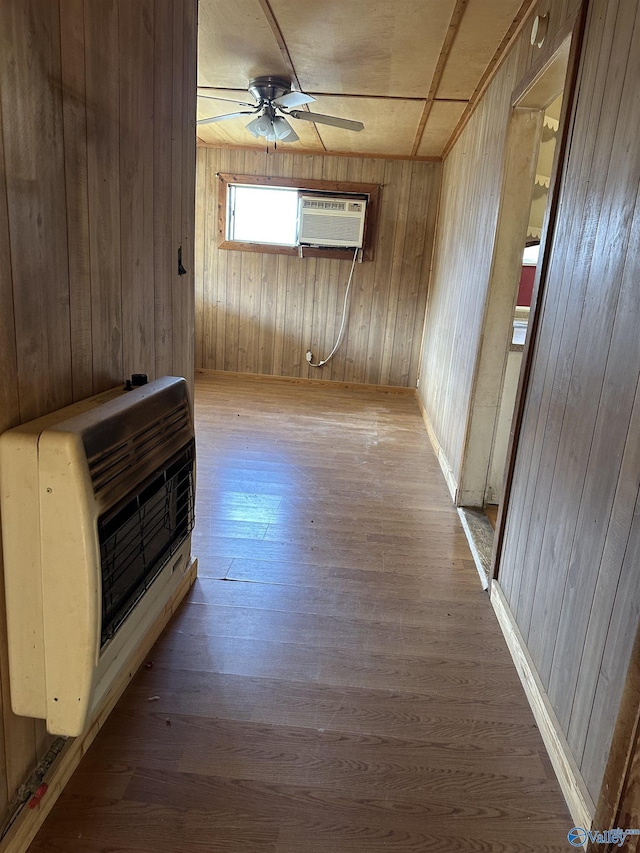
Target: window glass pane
263, 215
530, 255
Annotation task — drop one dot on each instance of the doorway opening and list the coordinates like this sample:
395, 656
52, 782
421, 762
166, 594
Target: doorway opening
524, 290
530, 174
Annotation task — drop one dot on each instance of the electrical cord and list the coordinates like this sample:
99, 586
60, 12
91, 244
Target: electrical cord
342, 323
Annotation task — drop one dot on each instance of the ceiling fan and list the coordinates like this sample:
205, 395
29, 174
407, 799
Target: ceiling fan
274, 100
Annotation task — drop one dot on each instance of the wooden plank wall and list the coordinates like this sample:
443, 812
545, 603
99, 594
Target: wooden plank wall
572, 546
97, 106
471, 186
260, 313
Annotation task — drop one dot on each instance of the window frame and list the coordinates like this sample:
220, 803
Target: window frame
372, 191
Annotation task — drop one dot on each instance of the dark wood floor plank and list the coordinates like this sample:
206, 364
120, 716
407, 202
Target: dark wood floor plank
444, 674
314, 551
336, 681
431, 717
350, 761
99, 824
370, 604
333, 821
440, 580
336, 631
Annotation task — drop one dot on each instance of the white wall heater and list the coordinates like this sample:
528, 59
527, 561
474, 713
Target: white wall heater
331, 221
97, 510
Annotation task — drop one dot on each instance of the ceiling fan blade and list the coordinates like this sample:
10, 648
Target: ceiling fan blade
227, 100
334, 121
293, 99
222, 118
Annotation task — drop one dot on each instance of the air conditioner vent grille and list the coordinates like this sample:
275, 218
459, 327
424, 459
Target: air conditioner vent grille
331, 221
323, 204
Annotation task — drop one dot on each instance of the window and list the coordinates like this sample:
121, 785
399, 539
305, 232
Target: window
530, 255
260, 214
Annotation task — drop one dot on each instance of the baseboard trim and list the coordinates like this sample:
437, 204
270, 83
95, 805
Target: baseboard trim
26, 825
575, 792
303, 380
452, 483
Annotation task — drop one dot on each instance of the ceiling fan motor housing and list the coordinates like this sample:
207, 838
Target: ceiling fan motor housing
267, 89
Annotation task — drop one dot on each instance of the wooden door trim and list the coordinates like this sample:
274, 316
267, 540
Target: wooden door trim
576, 34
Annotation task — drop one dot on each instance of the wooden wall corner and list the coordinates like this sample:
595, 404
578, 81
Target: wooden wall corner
449, 476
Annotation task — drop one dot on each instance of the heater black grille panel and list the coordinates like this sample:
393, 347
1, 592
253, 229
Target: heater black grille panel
141, 534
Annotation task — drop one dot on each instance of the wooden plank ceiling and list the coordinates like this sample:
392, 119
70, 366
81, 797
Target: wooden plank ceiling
407, 70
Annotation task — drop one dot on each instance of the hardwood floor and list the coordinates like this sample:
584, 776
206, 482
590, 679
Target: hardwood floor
336, 681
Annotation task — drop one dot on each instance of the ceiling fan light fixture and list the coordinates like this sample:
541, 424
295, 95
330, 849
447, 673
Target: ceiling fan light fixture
252, 127
264, 125
282, 128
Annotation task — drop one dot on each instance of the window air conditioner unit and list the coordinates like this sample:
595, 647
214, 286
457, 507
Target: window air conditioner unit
331, 221
97, 511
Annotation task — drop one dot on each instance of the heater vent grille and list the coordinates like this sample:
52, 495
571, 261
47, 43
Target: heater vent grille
137, 539
130, 456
